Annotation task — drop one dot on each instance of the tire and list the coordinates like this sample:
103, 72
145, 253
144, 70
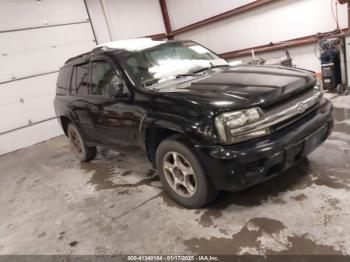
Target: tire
341, 89
83, 152
183, 179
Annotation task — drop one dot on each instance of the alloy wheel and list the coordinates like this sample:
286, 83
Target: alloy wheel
179, 174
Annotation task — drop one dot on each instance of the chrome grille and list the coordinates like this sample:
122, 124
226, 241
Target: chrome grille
288, 110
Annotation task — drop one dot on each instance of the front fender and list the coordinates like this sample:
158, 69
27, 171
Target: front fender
147, 122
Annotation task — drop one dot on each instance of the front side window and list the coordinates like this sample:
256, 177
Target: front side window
80, 80
102, 74
167, 61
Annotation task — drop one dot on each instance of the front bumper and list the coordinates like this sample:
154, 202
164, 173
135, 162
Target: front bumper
237, 167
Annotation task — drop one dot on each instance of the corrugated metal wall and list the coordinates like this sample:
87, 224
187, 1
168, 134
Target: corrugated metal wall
278, 21
36, 37
125, 19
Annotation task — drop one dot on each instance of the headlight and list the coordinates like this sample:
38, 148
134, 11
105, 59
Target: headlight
319, 87
230, 125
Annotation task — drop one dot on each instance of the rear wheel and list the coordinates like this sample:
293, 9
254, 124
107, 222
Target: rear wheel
182, 175
341, 89
84, 152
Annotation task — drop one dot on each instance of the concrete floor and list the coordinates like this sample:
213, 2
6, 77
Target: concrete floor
52, 204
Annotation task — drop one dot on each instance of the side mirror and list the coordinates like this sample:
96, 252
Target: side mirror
115, 89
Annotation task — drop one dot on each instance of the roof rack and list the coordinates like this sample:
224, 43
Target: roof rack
135, 44
78, 56
99, 48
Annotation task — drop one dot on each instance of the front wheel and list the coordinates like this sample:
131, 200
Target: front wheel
182, 175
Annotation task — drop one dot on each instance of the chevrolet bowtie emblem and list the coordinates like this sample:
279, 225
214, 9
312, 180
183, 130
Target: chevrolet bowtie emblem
301, 107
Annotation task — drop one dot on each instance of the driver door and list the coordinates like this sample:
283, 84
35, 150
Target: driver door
112, 117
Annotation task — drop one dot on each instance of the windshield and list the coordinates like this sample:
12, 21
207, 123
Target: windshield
168, 61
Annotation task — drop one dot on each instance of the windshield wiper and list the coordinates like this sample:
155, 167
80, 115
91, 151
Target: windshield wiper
208, 68
184, 75
200, 70
149, 82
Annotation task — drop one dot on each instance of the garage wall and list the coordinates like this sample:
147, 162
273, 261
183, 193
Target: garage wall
184, 12
278, 21
36, 37
120, 19
303, 57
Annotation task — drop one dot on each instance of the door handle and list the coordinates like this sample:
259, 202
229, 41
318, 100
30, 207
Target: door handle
94, 109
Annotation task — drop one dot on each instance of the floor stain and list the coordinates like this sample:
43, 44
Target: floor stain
246, 237
223, 231
73, 243
124, 192
42, 234
322, 178
208, 217
61, 235
21, 180
299, 197
103, 173
109, 155
268, 225
333, 202
142, 182
150, 172
340, 115
300, 245
103, 251
126, 173
277, 201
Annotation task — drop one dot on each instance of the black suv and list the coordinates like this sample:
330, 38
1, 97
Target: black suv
205, 125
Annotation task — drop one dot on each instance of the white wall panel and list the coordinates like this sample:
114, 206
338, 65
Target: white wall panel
275, 22
135, 18
31, 111
23, 14
29, 88
184, 12
128, 19
98, 21
26, 53
39, 109
29, 136
28, 100
11, 117
36, 51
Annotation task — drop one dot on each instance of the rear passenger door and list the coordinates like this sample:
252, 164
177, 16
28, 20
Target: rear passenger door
81, 98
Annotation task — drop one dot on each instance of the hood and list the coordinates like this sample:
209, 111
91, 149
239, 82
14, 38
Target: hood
242, 87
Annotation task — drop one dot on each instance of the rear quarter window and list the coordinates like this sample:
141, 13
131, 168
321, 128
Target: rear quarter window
63, 81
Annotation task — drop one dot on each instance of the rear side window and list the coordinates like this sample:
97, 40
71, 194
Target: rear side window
63, 81
80, 80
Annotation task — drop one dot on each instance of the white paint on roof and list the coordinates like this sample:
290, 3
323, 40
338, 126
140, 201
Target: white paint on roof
137, 44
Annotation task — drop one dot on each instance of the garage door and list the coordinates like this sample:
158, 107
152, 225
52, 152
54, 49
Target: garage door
32, 49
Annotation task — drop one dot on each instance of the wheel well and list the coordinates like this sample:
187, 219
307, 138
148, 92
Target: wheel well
65, 122
154, 136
